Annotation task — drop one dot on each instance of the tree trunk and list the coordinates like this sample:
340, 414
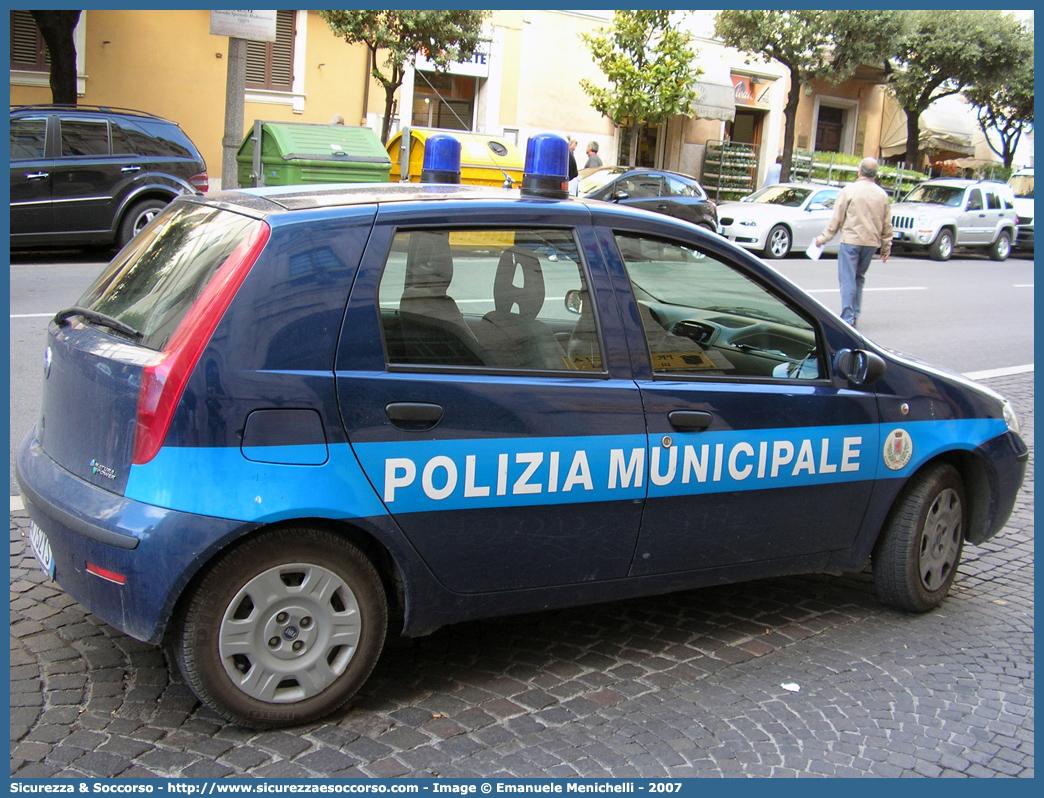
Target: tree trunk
389, 106
57, 28
790, 126
913, 139
636, 138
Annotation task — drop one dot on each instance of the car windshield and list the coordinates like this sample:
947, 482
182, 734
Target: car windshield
790, 196
1022, 185
590, 183
937, 195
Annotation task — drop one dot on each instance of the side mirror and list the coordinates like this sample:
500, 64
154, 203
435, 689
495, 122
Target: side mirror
859, 366
574, 301
817, 206
620, 195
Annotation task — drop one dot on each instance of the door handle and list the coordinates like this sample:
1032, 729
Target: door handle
413, 416
690, 420
36, 176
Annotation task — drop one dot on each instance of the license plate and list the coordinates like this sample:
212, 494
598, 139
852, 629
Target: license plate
41, 548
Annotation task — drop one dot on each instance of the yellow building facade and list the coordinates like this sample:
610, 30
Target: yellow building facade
525, 81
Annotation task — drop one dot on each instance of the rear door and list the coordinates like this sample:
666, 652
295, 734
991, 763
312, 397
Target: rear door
487, 414
973, 222
755, 454
87, 176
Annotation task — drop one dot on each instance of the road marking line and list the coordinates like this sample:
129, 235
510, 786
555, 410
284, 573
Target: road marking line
1023, 285
1005, 372
32, 315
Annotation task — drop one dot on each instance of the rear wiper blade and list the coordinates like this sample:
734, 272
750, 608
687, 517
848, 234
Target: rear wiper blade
96, 317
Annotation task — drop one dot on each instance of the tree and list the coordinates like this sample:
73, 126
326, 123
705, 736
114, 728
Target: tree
441, 36
1005, 107
811, 44
650, 68
942, 52
57, 28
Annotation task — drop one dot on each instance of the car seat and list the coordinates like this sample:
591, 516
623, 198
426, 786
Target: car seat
434, 331
516, 338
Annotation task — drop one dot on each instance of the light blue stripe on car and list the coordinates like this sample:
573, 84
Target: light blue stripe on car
424, 476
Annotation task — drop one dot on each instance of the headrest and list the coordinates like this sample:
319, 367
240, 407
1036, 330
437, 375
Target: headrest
429, 265
530, 295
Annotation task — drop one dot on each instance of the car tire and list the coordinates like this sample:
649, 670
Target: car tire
916, 557
778, 243
139, 215
283, 629
942, 247
1001, 248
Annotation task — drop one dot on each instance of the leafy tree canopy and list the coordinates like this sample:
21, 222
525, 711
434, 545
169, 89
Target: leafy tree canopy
942, 52
811, 44
1005, 104
441, 36
649, 66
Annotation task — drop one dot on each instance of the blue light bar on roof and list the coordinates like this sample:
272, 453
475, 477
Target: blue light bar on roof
547, 167
441, 160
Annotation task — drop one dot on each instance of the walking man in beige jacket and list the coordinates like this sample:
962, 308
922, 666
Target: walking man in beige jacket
863, 215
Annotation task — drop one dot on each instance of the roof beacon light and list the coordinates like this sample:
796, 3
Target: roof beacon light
441, 160
547, 167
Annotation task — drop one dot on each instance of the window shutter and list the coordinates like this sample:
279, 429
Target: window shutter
270, 65
28, 50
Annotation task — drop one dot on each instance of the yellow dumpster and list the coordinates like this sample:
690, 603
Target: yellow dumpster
484, 160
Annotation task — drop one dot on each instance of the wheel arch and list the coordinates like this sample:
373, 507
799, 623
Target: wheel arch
379, 555
978, 492
977, 488
156, 191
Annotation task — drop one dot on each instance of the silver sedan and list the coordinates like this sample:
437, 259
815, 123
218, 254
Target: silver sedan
780, 218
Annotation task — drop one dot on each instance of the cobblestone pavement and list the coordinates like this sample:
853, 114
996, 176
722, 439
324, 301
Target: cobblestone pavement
685, 685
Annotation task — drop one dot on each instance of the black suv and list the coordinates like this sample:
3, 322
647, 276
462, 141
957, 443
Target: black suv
88, 175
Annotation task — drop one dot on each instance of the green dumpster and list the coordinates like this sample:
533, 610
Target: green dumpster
296, 153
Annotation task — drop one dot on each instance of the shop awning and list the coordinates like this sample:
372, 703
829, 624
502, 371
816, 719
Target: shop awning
947, 126
715, 94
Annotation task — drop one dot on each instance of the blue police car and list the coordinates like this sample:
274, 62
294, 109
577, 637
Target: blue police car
283, 418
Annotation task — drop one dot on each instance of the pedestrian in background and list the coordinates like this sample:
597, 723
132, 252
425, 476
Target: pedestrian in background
573, 171
337, 120
593, 158
863, 215
774, 170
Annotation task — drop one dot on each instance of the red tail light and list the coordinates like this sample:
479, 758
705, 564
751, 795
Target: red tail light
200, 182
164, 379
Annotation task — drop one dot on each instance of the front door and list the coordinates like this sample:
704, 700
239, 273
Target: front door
30, 177
486, 413
754, 454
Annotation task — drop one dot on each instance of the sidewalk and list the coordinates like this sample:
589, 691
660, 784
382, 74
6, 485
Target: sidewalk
676, 686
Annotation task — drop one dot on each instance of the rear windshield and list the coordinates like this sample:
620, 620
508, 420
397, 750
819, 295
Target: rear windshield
153, 282
160, 139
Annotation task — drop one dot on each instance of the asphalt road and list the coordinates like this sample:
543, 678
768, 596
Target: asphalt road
968, 315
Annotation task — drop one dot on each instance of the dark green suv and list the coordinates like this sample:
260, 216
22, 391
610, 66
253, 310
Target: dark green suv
88, 175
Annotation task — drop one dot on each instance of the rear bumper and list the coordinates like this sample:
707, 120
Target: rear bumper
1025, 238
156, 550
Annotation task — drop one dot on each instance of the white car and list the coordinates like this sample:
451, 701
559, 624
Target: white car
1021, 184
780, 218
